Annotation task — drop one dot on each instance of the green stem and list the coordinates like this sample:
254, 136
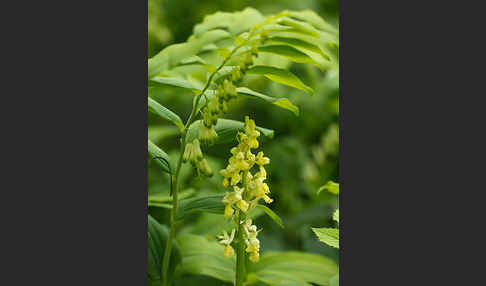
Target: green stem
175, 178
240, 247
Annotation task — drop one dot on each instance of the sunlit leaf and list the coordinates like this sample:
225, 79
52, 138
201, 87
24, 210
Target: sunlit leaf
289, 52
172, 81
281, 76
331, 187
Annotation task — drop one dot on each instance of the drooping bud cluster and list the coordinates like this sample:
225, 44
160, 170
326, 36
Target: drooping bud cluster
248, 191
193, 154
226, 240
216, 106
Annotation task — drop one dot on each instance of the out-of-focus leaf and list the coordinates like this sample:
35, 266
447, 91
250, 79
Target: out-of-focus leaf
226, 130
203, 257
297, 267
330, 187
211, 204
280, 102
314, 19
235, 23
174, 54
159, 156
334, 280
329, 236
271, 214
165, 113
163, 200
281, 76
157, 240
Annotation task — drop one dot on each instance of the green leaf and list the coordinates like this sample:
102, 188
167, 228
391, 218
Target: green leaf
334, 280
280, 102
226, 130
290, 53
329, 236
271, 214
176, 53
165, 113
203, 257
298, 44
235, 23
157, 240
297, 267
281, 76
211, 204
173, 81
300, 26
159, 157
314, 19
330, 187
163, 199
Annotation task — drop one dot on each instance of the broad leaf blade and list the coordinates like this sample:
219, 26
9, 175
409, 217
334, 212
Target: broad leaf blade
278, 267
271, 214
203, 257
165, 113
159, 157
280, 102
329, 236
211, 204
157, 240
281, 76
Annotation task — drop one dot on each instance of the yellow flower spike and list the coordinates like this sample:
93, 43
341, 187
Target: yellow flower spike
229, 251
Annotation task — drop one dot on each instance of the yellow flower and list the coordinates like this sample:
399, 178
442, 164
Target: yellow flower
260, 160
229, 251
254, 257
207, 134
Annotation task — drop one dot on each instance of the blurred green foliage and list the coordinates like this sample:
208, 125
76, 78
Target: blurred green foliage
304, 153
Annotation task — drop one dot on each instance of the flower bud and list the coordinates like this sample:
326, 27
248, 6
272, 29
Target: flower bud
229, 251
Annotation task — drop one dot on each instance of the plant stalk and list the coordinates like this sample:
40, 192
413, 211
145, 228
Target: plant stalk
175, 180
240, 247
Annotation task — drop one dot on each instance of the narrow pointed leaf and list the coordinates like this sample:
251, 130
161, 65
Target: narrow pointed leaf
280, 102
281, 76
165, 113
298, 44
173, 81
159, 157
211, 204
331, 187
271, 214
290, 53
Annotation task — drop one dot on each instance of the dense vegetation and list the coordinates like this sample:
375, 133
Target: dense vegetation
276, 63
